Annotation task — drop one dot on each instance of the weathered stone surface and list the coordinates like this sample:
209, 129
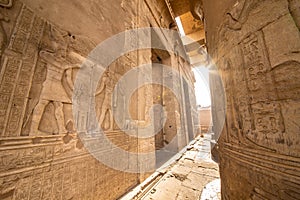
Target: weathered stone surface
42, 47
187, 177
256, 50
279, 53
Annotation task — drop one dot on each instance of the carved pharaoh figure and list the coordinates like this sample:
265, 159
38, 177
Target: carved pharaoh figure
59, 71
107, 85
53, 91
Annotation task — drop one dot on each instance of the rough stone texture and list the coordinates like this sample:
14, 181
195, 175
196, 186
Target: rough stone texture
42, 46
188, 176
255, 47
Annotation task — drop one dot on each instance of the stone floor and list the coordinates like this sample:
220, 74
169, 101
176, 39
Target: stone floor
192, 176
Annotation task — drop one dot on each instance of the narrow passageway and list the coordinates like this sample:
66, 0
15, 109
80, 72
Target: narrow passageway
105, 100
191, 175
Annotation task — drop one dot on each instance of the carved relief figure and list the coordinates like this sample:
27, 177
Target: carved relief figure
60, 41
56, 88
107, 85
53, 91
237, 16
294, 7
6, 3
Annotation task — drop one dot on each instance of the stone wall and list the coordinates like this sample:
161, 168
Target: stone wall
43, 44
255, 47
205, 119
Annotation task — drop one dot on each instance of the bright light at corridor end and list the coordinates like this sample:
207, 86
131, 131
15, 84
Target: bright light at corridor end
180, 27
202, 90
97, 65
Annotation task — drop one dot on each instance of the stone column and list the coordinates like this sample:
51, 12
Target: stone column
255, 46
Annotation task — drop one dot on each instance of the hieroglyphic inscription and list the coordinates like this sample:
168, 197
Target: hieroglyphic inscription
25, 78
23, 189
17, 159
18, 71
9, 77
36, 185
266, 119
67, 181
83, 179
22, 30
34, 39
47, 189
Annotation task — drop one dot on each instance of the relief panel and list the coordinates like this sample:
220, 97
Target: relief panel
267, 122
263, 89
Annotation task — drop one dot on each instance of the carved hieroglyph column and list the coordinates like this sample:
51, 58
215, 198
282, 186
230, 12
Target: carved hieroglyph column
255, 46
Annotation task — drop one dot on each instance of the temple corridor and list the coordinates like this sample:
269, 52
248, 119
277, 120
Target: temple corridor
149, 99
192, 174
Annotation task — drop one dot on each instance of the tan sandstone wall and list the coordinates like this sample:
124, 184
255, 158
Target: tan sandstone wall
41, 155
42, 46
255, 45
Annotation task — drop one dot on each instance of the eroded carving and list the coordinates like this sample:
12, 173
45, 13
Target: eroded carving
3, 35
239, 14
267, 122
236, 17
39, 66
26, 36
6, 3
294, 7
266, 99
56, 67
197, 9
107, 84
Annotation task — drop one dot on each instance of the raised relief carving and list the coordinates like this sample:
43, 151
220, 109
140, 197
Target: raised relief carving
48, 122
7, 88
265, 161
267, 122
3, 35
52, 83
22, 30
6, 3
236, 17
239, 14
107, 84
294, 7
56, 68
260, 117
227, 76
22, 50
58, 85
197, 9
119, 101
35, 92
